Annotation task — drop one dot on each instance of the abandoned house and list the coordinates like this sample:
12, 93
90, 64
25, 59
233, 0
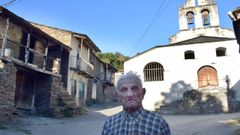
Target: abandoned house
33, 70
201, 60
89, 79
101, 89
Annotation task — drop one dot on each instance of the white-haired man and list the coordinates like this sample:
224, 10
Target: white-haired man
134, 119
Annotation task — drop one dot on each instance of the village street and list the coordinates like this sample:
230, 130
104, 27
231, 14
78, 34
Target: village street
91, 124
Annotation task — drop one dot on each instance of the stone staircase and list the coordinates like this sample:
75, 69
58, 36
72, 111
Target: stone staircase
63, 105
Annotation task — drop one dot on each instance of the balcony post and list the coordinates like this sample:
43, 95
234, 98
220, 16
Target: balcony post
4, 43
45, 57
27, 48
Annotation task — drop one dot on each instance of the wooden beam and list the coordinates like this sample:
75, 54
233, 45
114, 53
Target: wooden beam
45, 57
5, 39
27, 48
81, 47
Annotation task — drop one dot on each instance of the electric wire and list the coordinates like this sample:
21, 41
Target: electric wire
157, 15
8, 3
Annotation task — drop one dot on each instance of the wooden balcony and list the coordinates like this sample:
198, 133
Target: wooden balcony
38, 60
81, 66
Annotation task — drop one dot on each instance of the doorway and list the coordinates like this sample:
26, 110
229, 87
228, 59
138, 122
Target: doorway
24, 92
207, 76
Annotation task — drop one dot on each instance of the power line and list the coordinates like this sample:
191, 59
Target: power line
8, 3
154, 20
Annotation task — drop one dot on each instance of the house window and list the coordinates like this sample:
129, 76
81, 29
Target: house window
190, 20
221, 51
153, 72
189, 55
73, 88
205, 17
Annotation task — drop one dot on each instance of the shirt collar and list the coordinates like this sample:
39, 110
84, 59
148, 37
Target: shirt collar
133, 115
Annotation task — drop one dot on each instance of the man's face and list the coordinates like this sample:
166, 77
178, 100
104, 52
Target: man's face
130, 94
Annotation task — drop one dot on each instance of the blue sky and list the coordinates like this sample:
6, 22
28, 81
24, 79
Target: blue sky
114, 25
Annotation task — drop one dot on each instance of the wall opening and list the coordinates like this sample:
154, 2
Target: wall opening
207, 77
221, 51
189, 55
205, 18
190, 19
153, 72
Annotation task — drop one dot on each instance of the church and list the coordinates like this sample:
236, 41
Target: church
202, 56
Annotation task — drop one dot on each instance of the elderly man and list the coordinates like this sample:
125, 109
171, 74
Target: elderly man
134, 119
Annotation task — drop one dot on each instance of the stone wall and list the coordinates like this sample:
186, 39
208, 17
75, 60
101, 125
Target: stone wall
110, 94
7, 90
52, 99
196, 102
61, 103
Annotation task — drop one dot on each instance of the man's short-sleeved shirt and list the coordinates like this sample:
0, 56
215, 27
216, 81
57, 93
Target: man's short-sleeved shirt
140, 122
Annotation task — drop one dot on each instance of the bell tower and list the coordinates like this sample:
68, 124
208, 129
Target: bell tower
199, 18
196, 14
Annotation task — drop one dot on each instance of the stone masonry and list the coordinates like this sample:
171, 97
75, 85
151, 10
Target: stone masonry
50, 98
7, 89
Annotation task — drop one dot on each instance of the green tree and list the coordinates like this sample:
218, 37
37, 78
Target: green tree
116, 59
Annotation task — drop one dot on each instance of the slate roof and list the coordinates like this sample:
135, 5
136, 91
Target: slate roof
196, 40
5, 13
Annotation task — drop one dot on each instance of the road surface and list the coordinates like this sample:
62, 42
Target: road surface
91, 123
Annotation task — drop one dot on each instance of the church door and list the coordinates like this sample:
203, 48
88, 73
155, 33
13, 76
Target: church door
207, 76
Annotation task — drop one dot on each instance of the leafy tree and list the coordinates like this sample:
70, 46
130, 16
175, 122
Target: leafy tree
116, 59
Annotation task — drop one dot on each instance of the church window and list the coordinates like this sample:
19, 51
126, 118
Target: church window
190, 19
189, 55
153, 72
205, 17
221, 51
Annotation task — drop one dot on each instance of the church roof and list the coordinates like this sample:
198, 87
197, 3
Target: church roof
202, 39
196, 40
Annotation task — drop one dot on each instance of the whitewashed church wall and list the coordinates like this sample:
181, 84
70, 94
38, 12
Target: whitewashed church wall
180, 74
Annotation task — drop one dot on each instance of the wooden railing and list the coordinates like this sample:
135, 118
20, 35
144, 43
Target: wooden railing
28, 56
80, 63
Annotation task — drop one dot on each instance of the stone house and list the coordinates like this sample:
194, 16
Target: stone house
33, 70
88, 76
102, 86
201, 57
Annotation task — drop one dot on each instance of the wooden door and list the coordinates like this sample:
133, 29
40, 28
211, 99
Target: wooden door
82, 93
207, 76
24, 90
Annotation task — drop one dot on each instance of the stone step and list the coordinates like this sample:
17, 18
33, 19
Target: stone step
22, 112
167, 110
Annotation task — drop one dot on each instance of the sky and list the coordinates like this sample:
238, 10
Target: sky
125, 26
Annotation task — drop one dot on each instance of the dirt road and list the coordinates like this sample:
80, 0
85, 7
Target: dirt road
91, 124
